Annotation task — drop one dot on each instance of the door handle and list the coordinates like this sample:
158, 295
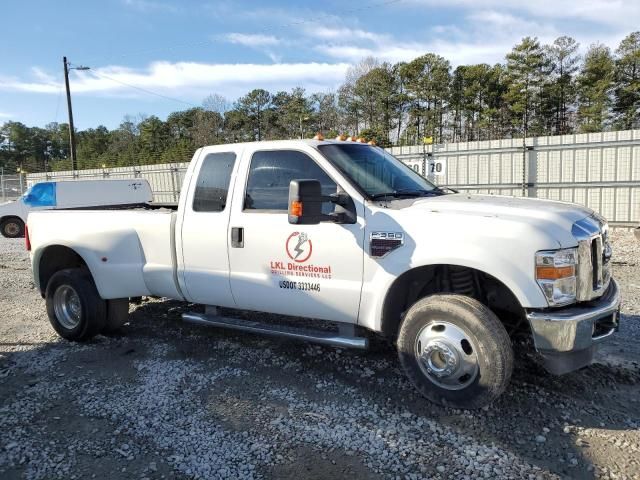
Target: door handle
237, 237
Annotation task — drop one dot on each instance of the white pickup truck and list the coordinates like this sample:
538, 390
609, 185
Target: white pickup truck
342, 232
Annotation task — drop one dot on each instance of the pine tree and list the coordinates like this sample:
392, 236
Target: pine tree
564, 63
526, 70
627, 82
595, 83
428, 78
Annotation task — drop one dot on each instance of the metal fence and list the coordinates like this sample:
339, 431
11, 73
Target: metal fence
165, 179
11, 187
599, 170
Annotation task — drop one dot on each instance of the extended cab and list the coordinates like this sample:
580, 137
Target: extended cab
345, 233
70, 194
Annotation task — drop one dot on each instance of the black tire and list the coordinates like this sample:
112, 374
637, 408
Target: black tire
12, 228
92, 316
117, 315
491, 350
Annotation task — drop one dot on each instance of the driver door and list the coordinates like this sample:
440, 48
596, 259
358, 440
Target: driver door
308, 270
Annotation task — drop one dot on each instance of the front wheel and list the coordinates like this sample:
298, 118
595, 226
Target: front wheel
455, 351
74, 306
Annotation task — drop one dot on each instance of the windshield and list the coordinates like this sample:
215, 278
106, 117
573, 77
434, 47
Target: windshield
376, 172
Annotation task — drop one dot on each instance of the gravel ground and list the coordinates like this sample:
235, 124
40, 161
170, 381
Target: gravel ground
172, 400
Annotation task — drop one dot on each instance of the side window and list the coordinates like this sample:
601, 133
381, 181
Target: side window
212, 186
271, 173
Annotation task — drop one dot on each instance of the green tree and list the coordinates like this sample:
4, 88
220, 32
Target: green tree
154, 138
526, 72
254, 106
595, 83
376, 93
326, 116
427, 85
564, 61
626, 106
293, 114
91, 145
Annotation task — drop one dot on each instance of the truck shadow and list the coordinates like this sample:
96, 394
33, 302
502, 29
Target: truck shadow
567, 411
572, 412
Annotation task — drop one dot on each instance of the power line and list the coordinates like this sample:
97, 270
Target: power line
143, 89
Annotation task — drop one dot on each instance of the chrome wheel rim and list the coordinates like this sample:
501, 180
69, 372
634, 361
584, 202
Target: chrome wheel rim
67, 306
447, 355
12, 229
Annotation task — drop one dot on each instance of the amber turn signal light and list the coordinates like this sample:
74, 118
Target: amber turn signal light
296, 208
554, 273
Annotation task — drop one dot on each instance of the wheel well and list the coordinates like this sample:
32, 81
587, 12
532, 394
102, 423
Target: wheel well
427, 280
54, 259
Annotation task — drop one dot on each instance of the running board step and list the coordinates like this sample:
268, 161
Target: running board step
343, 338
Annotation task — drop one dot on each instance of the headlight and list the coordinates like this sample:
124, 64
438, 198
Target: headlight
556, 275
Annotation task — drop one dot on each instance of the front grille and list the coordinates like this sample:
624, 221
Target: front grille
594, 257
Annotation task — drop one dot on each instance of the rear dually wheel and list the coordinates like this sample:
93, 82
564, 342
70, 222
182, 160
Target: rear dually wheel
74, 306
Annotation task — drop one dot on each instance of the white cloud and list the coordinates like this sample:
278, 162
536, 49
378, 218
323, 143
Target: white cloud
479, 34
5, 115
622, 14
189, 80
344, 34
252, 40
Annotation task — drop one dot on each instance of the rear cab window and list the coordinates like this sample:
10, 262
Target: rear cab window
212, 187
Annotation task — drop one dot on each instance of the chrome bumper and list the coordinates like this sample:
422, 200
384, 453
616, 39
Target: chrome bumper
566, 338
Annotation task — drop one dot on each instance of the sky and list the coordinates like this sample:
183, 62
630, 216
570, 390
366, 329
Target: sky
154, 57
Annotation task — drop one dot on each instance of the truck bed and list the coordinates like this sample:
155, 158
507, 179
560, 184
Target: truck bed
130, 251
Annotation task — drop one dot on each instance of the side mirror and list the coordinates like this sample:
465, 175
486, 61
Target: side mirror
305, 202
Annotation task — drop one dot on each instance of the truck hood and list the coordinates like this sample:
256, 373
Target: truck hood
535, 212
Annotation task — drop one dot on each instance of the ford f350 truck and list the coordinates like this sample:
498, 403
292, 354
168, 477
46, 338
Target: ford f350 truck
343, 232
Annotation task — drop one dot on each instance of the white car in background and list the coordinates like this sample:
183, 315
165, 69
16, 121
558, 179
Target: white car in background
71, 194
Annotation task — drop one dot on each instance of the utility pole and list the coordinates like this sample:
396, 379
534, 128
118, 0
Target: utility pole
72, 135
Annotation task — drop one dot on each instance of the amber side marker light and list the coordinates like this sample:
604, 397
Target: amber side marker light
554, 273
296, 208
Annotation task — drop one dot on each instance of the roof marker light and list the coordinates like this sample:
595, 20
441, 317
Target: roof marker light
319, 136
